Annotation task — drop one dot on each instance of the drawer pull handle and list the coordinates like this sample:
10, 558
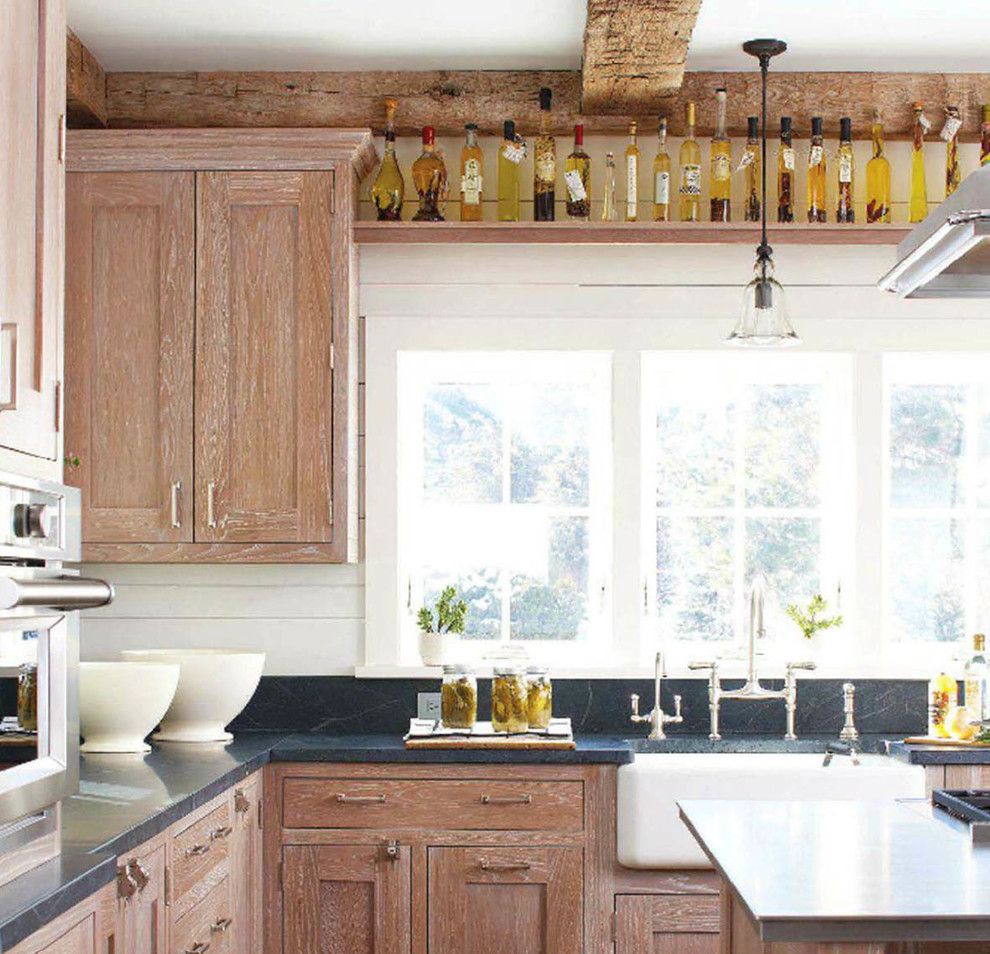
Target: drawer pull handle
392, 850
505, 866
220, 833
200, 947
221, 925
241, 802
195, 850
139, 873
126, 885
360, 799
506, 799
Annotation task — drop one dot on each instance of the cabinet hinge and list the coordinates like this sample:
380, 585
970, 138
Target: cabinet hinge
58, 406
61, 139
261, 816
168, 887
332, 356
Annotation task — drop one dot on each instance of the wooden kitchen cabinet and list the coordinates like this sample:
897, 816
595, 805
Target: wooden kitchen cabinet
490, 900
32, 115
247, 882
667, 924
212, 359
141, 887
88, 928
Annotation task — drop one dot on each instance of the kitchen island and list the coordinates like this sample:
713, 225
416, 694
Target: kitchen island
861, 877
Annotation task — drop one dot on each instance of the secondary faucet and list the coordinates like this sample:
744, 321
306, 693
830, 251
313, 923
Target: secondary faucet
753, 689
657, 717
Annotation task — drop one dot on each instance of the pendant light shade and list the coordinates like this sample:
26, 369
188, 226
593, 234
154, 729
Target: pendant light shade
764, 322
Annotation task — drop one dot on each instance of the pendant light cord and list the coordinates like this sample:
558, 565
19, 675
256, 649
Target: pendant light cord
764, 251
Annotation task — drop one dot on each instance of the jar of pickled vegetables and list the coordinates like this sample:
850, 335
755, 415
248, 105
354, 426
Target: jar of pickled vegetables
27, 697
509, 698
539, 697
458, 697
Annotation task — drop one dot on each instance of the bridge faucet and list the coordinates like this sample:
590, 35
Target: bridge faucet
657, 718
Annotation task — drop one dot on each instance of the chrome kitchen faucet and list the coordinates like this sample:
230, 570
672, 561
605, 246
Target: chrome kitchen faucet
657, 717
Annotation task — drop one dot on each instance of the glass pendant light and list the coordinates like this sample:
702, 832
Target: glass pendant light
764, 322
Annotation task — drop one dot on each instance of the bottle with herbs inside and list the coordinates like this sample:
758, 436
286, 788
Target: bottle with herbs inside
539, 697
511, 153
544, 164
609, 209
817, 171
661, 176
689, 159
878, 178
785, 173
720, 164
471, 176
632, 176
430, 178
577, 178
458, 697
950, 135
942, 699
985, 136
389, 187
749, 165
918, 201
845, 211
509, 705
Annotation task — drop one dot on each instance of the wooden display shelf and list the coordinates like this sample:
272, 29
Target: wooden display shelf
620, 233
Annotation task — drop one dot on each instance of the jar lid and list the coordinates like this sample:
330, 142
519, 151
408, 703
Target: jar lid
537, 670
509, 669
451, 669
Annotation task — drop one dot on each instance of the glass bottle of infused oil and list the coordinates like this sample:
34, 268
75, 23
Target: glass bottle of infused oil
817, 172
950, 133
430, 178
632, 176
609, 210
544, 164
750, 165
389, 188
661, 176
918, 202
689, 159
845, 210
511, 153
471, 176
785, 173
985, 136
942, 699
878, 178
720, 164
976, 674
577, 178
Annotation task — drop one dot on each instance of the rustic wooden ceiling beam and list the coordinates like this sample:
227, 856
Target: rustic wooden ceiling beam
634, 53
86, 85
448, 100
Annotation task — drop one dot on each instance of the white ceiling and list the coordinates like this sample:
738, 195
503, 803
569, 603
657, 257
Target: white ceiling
885, 35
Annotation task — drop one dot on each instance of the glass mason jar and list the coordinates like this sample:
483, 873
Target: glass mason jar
539, 697
458, 697
27, 697
509, 698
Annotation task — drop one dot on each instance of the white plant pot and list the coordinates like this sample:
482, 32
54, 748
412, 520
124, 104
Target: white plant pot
121, 702
435, 649
214, 686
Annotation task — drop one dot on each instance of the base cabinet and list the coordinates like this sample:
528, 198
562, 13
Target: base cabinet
141, 888
667, 924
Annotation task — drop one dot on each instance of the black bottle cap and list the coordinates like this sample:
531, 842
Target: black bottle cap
846, 129
785, 126
545, 97
817, 126
753, 127
509, 129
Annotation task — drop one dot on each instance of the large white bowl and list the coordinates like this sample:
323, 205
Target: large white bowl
121, 702
214, 686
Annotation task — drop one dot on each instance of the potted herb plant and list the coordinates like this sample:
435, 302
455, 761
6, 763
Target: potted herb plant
811, 619
440, 628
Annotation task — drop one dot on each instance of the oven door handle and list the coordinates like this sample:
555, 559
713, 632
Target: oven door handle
59, 593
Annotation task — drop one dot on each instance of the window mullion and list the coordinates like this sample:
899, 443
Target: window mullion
505, 573
742, 393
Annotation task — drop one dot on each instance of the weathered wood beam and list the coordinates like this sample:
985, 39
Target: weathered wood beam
86, 85
634, 53
448, 100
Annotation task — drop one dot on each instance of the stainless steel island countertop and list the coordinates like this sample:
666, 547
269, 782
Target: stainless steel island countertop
847, 871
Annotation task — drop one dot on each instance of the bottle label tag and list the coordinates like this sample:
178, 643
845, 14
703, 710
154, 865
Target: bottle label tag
514, 152
721, 168
815, 155
926, 124
788, 155
952, 125
748, 158
661, 188
691, 179
546, 167
471, 182
632, 195
576, 191
845, 169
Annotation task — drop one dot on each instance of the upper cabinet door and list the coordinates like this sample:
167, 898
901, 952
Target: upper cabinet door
32, 201
264, 387
130, 311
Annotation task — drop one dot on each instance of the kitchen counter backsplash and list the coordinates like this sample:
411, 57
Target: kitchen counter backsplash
343, 704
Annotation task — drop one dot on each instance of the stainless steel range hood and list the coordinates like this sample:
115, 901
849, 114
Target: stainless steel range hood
948, 255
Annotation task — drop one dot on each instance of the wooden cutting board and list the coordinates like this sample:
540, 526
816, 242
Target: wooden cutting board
426, 734
947, 743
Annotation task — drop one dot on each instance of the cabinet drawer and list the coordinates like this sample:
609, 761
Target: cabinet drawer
209, 924
199, 858
687, 913
414, 803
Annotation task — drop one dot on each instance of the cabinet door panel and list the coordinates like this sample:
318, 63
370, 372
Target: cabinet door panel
144, 916
667, 924
245, 867
345, 899
505, 900
129, 353
264, 390
32, 106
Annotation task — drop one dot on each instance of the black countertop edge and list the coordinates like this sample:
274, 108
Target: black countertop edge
938, 754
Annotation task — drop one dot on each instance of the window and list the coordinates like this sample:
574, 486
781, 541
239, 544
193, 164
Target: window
746, 463
504, 485
937, 496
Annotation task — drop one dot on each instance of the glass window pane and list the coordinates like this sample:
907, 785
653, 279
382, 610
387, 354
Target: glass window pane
695, 431
927, 424
462, 444
983, 449
478, 587
550, 586
550, 443
787, 551
926, 579
783, 445
694, 577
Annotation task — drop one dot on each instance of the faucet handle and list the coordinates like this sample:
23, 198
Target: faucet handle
676, 717
703, 665
791, 666
636, 717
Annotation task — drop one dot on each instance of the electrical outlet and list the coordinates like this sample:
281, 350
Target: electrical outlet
428, 705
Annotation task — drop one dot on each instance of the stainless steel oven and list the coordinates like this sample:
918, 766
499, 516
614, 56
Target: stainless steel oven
39, 654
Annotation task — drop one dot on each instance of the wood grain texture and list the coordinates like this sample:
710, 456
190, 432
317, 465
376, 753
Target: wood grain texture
246, 866
551, 806
632, 881
967, 776
271, 861
143, 917
80, 930
200, 859
210, 553
643, 926
202, 923
86, 85
129, 352
634, 53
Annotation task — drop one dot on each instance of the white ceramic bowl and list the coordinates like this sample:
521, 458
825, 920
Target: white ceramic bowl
121, 702
214, 686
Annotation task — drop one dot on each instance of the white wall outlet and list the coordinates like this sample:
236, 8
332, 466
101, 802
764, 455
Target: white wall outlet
428, 705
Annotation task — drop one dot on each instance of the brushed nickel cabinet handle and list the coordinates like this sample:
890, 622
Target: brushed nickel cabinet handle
139, 873
200, 947
505, 866
127, 887
360, 799
221, 924
211, 517
506, 799
196, 850
220, 833
176, 490
241, 802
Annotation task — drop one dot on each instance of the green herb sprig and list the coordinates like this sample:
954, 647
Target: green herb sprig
810, 621
450, 614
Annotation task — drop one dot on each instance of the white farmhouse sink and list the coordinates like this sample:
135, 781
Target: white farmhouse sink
652, 835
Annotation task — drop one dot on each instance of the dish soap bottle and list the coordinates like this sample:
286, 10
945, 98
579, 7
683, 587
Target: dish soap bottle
975, 676
942, 699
